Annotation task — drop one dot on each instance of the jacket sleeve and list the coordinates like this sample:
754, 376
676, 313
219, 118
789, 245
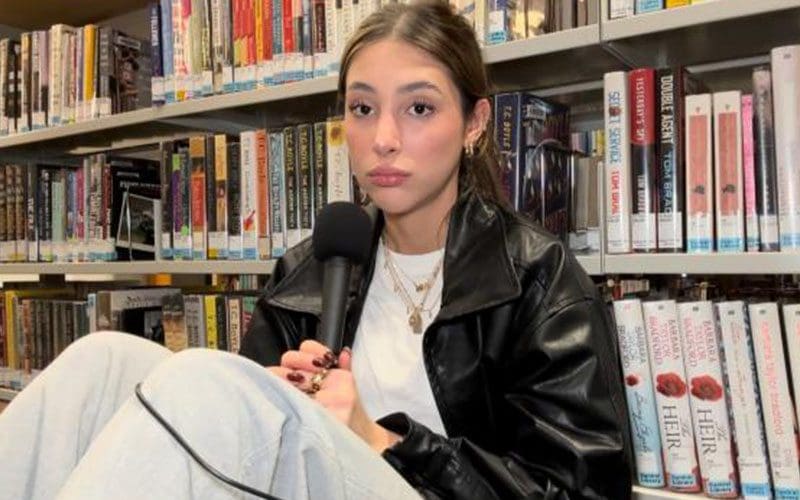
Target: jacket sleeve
270, 333
562, 410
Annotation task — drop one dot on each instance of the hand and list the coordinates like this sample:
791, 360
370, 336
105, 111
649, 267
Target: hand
337, 391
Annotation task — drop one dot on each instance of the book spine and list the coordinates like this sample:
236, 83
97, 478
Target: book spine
742, 391
292, 179
277, 194
320, 181
262, 195
109, 240
4, 257
234, 202
749, 175
306, 179
234, 323
249, 195
671, 4
217, 44
268, 73
786, 68
618, 163
707, 399
672, 399
481, 21
168, 59
639, 392
54, 58
57, 212
105, 71
210, 306
167, 210
79, 77
507, 126
278, 59
192, 11
5, 92
791, 321
80, 200
218, 238
728, 171
618, 9
25, 91
199, 229
179, 55
773, 383
643, 160
36, 106
156, 53
32, 210
338, 171
331, 37
258, 34
179, 241
766, 172
498, 27
306, 38
699, 181
206, 50
671, 161
211, 197
89, 71
320, 37
644, 6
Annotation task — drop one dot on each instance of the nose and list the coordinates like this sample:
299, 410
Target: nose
387, 135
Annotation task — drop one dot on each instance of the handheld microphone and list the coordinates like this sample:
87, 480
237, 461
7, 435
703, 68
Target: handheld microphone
342, 238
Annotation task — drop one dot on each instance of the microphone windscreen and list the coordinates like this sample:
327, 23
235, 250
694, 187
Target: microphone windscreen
342, 229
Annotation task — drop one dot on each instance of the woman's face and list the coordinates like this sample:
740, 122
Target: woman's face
404, 126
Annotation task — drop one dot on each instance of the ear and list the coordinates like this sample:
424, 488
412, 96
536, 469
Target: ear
476, 122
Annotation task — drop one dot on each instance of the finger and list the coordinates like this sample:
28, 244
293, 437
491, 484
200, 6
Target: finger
298, 360
298, 378
346, 359
317, 349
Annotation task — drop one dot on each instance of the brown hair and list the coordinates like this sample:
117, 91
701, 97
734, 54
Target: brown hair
434, 27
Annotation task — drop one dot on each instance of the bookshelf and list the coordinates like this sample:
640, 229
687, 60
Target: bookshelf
640, 493
143, 267
717, 263
7, 394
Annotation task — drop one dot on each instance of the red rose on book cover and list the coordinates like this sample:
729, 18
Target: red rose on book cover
631, 380
670, 384
706, 388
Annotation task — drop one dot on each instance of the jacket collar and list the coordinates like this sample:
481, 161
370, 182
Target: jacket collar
477, 273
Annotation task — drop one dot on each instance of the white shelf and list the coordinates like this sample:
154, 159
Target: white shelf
703, 13
592, 264
640, 493
549, 43
716, 263
7, 394
142, 267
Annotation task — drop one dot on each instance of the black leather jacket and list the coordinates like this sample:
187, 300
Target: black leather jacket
522, 360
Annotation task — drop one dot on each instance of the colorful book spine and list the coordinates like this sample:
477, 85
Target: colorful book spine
277, 188
181, 223
642, 91
729, 192
671, 4
249, 193
210, 308
199, 230
786, 70
707, 399
749, 175
766, 173
507, 113
156, 52
618, 9
618, 163
773, 383
699, 180
210, 166
166, 200
234, 189
319, 37
292, 179
307, 38
262, 198
168, 56
218, 235
671, 160
498, 28
639, 392
268, 70
278, 59
645, 6
340, 187
672, 398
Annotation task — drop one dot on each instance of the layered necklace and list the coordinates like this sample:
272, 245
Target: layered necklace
424, 287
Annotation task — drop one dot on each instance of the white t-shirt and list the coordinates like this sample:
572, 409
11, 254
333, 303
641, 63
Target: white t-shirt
387, 355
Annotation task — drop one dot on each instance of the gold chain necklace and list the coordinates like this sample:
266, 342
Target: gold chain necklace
414, 310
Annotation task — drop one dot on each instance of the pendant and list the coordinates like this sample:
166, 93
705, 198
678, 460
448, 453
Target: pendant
415, 322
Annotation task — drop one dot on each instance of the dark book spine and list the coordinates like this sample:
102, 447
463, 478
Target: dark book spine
507, 118
670, 160
766, 169
32, 212
292, 191
103, 88
4, 187
555, 192
156, 54
25, 83
166, 199
177, 200
234, 201
46, 223
643, 159
186, 202
305, 172
320, 181
222, 323
211, 197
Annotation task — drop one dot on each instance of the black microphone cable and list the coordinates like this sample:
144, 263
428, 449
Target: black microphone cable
214, 472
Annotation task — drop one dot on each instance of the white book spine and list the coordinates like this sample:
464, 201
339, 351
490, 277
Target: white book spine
194, 314
277, 194
55, 76
339, 183
481, 20
707, 398
672, 398
776, 402
785, 81
639, 392
745, 405
618, 163
728, 171
248, 196
620, 8
234, 323
791, 320
699, 180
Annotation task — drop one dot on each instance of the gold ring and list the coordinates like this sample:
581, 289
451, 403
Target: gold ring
316, 380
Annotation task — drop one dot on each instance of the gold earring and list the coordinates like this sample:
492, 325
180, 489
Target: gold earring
469, 150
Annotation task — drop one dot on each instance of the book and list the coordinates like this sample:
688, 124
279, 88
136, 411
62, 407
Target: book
167, 149
263, 201
218, 235
234, 210
320, 178
508, 127
644, 203
618, 9
644, 6
305, 175
197, 157
672, 398
249, 193
728, 175
752, 237
618, 163
639, 392
340, 187
699, 180
292, 181
785, 63
181, 206
766, 172
277, 187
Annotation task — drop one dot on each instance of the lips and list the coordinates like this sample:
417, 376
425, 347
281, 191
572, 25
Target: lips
387, 176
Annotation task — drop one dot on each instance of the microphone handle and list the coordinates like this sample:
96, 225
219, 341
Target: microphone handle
335, 289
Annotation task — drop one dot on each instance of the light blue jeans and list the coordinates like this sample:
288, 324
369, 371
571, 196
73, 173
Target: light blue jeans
78, 431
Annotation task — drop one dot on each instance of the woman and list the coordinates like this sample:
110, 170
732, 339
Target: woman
480, 361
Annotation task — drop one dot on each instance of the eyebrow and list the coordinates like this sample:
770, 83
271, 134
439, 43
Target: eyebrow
407, 88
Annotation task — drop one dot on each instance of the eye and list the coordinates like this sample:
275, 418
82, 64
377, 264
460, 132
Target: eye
421, 109
360, 109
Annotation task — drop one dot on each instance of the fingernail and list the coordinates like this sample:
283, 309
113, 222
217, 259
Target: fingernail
347, 350
320, 362
330, 357
295, 377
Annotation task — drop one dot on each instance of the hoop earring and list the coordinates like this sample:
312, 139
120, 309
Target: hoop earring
469, 150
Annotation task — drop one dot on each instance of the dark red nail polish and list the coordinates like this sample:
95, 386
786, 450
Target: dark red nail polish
295, 377
330, 357
319, 362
